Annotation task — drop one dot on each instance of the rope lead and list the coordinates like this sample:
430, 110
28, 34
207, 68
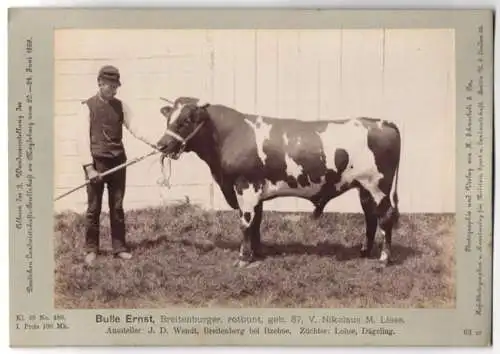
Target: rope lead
165, 180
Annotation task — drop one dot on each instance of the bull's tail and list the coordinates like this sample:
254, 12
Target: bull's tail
394, 186
394, 198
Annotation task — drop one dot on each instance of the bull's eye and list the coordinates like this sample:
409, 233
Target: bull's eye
188, 121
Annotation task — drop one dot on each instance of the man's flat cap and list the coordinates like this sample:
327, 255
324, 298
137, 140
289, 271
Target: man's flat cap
109, 73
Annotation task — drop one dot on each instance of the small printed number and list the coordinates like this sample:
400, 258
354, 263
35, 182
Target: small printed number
470, 332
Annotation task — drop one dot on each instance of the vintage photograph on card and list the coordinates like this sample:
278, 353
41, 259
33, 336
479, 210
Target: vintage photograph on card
297, 183
296, 155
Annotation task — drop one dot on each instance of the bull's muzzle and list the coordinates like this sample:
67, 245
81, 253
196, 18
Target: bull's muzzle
172, 145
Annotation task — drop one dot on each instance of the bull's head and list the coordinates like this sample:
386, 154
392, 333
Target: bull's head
185, 117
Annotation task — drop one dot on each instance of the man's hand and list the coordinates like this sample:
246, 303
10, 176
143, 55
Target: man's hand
92, 174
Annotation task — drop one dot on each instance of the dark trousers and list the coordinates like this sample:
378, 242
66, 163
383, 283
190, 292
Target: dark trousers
115, 183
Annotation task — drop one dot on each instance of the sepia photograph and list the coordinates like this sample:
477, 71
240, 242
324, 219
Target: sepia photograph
254, 168
252, 178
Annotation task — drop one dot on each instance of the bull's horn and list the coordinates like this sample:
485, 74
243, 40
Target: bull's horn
203, 103
166, 99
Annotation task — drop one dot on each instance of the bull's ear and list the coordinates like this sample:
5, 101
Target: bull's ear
203, 103
166, 110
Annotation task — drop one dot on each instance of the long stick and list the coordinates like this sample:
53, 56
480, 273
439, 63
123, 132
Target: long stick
110, 171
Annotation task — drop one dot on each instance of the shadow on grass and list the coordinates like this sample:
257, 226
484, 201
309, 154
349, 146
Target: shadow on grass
342, 253
163, 239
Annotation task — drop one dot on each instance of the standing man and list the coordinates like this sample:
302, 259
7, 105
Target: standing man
100, 124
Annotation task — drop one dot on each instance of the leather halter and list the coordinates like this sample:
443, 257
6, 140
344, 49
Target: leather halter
182, 140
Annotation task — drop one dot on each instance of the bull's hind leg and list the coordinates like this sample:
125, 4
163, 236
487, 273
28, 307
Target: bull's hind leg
385, 213
387, 218
250, 211
370, 211
255, 240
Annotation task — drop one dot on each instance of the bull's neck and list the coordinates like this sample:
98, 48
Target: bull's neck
206, 145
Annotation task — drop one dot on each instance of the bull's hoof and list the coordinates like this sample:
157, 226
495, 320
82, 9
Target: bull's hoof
384, 259
241, 263
246, 264
316, 214
386, 263
253, 264
258, 254
364, 253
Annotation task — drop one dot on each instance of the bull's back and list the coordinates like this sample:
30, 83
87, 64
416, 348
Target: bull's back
298, 158
329, 156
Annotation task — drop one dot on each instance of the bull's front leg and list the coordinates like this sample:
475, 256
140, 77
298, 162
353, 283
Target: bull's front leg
250, 212
250, 248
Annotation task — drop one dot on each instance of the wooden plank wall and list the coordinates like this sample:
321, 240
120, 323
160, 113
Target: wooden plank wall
403, 75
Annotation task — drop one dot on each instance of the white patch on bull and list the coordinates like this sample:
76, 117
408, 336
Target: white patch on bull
380, 124
383, 256
292, 168
176, 113
393, 188
261, 134
361, 166
247, 202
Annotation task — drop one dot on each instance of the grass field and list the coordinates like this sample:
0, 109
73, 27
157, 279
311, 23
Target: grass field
184, 255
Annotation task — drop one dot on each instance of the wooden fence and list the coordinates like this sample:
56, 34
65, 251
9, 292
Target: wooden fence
403, 75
